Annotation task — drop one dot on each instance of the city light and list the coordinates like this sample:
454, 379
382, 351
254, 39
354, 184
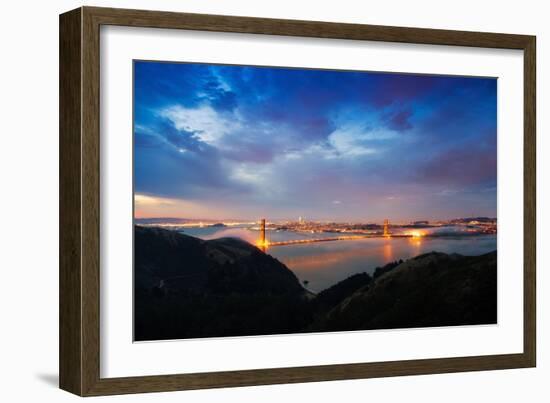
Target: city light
354, 232
262, 244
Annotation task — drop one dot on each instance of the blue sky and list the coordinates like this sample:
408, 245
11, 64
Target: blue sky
238, 142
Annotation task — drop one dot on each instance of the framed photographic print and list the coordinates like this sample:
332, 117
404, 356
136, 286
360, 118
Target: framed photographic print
249, 201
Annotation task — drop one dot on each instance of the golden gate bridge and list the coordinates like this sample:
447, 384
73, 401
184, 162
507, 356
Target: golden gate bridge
263, 243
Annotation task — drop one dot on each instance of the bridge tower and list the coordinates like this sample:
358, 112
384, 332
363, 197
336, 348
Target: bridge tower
386, 227
262, 232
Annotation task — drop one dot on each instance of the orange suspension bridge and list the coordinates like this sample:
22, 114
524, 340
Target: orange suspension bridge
263, 243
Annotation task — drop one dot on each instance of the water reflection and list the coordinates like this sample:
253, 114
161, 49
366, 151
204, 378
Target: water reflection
326, 263
387, 251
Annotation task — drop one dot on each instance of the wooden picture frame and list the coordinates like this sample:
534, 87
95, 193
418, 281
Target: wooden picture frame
79, 346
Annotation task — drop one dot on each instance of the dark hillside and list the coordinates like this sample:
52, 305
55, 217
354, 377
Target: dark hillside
186, 287
434, 289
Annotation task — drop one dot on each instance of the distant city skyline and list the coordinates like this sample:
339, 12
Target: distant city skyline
212, 220
238, 142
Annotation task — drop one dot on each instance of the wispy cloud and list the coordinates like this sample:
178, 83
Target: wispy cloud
203, 122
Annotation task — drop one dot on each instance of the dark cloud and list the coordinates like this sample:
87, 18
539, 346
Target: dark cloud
468, 165
225, 101
243, 151
145, 139
399, 120
400, 88
220, 98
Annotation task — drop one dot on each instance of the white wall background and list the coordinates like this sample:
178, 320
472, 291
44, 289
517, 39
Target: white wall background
29, 198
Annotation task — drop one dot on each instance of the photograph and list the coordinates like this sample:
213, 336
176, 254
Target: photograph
251, 200
274, 200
